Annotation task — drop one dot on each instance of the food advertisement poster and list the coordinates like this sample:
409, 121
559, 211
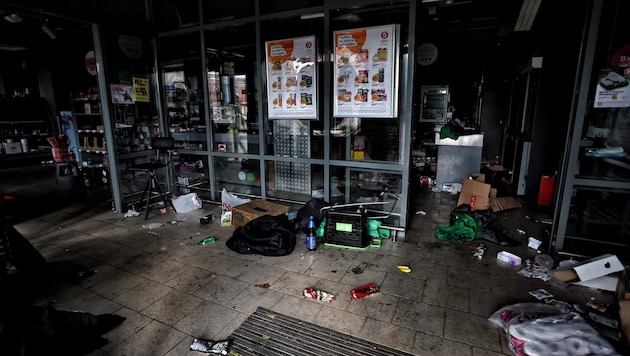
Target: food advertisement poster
613, 89
291, 79
365, 72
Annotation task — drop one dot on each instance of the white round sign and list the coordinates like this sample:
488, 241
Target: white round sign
426, 54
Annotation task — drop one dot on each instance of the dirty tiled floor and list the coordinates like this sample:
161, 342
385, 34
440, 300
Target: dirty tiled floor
172, 290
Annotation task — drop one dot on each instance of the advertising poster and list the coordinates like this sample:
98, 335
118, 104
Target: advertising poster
68, 130
141, 89
365, 72
612, 89
291, 79
122, 94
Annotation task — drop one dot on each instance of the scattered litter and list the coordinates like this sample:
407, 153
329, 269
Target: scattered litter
206, 219
131, 213
478, 249
207, 241
154, 233
316, 294
452, 188
600, 319
263, 285
357, 270
533, 243
221, 347
405, 269
164, 248
152, 226
596, 304
509, 258
535, 270
541, 294
364, 291
421, 212
560, 303
545, 261
520, 232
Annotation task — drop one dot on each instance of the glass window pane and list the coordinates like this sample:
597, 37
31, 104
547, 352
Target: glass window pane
231, 78
176, 14
237, 175
294, 181
191, 175
215, 11
271, 6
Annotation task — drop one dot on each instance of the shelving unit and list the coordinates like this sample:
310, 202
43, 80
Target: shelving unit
25, 123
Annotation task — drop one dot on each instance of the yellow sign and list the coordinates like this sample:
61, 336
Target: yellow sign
141, 89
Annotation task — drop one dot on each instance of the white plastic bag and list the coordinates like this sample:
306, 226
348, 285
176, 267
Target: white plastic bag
229, 201
186, 203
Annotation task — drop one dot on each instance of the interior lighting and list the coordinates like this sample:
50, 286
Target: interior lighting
315, 15
49, 31
526, 17
13, 18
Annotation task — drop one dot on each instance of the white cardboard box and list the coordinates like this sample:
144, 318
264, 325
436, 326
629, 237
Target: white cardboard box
598, 272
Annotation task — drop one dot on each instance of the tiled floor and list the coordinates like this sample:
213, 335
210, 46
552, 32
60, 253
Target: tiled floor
172, 290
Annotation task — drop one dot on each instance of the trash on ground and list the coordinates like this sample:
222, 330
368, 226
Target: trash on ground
206, 219
316, 294
152, 226
421, 212
405, 269
221, 347
509, 258
207, 241
364, 291
131, 213
478, 249
263, 285
535, 270
533, 243
596, 304
541, 294
520, 232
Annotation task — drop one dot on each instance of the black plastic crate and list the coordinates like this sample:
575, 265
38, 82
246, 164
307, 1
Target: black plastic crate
347, 228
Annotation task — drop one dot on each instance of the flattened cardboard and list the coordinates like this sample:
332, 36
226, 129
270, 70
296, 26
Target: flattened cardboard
503, 203
609, 282
588, 270
244, 213
477, 190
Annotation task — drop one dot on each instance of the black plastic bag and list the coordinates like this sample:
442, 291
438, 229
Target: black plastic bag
312, 208
266, 235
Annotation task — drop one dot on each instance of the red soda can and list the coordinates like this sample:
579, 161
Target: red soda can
364, 291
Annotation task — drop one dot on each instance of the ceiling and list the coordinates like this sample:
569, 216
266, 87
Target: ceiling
456, 20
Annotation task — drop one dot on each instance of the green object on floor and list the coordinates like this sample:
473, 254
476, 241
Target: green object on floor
375, 231
464, 229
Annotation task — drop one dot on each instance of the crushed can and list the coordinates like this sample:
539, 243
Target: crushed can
364, 291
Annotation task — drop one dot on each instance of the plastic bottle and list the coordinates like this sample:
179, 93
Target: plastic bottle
311, 239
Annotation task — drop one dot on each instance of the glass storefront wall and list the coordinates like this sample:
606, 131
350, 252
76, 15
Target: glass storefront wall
264, 126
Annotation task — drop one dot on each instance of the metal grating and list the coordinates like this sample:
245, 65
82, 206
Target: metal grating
268, 333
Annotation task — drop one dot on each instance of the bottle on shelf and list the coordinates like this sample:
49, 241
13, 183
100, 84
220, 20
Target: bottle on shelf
311, 239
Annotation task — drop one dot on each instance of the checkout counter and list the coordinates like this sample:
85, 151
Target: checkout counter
458, 159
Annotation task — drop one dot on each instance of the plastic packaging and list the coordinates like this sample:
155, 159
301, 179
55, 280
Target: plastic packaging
545, 261
315, 294
207, 241
509, 258
364, 291
221, 347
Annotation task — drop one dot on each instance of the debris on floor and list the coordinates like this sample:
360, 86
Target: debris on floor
221, 347
534, 328
316, 294
364, 291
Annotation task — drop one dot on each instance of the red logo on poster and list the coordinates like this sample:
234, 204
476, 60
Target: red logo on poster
309, 44
384, 35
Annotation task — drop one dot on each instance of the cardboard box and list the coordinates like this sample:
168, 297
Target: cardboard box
244, 213
599, 272
476, 194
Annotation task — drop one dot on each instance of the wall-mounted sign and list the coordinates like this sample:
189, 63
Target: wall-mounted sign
141, 89
426, 54
90, 63
291, 78
613, 88
122, 94
130, 46
366, 72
